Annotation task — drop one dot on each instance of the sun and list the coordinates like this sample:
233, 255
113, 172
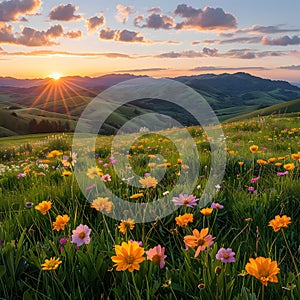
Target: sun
55, 76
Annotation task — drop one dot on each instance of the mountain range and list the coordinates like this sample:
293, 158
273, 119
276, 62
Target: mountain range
41, 105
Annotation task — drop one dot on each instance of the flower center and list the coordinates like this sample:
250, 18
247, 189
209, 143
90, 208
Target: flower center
186, 201
129, 259
81, 235
156, 259
225, 255
200, 242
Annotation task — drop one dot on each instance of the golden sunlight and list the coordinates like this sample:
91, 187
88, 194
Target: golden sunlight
55, 76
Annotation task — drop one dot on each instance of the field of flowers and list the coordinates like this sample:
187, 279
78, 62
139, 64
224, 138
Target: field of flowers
243, 244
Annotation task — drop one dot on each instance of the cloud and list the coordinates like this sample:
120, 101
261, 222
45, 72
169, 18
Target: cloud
95, 22
55, 31
250, 54
65, 53
281, 41
154, 10
206, 19
240, 40
292, 67
210, 52
123, 13
64, 13
11, 10
155, 21
213, 68
142, 70
122, 36
254, 29
73, 34
182, 54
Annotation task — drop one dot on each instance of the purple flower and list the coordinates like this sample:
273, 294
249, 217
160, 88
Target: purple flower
112, 160
81, 235
226, 255
255, 179
147, 174
20, 175
264, 149
139, 242
185, 200
90, 187
282, 173
216, 205
63, 241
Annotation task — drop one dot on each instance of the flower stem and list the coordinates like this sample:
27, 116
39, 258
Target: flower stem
135, 286
287, 245
263, 292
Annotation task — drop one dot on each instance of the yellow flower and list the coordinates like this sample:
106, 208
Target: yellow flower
262, 162
280, 222
51, 264
183, 220
60, 222
54, 153
148, 182
93, 172
206, 211
263, 269
296, 156
129, 223
278, 164
289, 167
271, 160
66, 173
43, 207
101, 204
253, 148
128, 256
135, 196
241, 163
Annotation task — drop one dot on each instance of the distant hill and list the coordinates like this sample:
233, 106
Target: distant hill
230, 95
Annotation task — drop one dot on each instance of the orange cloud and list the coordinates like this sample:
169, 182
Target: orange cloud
122, 36
281, 41
124, 12
95, 22
155, 21
13, 9
73, 34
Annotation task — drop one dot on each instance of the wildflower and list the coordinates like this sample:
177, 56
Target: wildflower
129, 223
20, 175
206, 211
101, 204
51, 264
63, 241
128, 256
241, 163
216, 205
201, 240
296, 156
90, 187
251, 189
60, 222
69, 161
139, 242
263, 269
278, 164
81, 235
183, 220
262, 162
289, 167
93, 172
185, 200
255, 179
135, 196
271, 160
226, 255
105, 178
28, 204
253, 148
148, 182
54, 153
157, 255
280, 222
282, 173
66, 173
43, 207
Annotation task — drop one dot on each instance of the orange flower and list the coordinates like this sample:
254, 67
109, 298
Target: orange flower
262, 162
206, 211
135, 196
148, 182
51, 264
128, 256
289, 167
43, 207
263, 269
296, 156
201, 240
60, 222
101, 204
241, 163
280, 222
253, 148
271, 160
183, 220
278, 164
54, 153
129, 223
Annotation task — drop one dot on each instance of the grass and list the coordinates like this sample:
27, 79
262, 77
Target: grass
252, 195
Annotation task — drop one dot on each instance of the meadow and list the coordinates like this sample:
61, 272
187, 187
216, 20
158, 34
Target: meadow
243, 244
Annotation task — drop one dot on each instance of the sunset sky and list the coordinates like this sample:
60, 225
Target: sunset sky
156, 38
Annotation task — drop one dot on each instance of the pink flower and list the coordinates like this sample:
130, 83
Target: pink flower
105, 178
216, 205
157, 255
139, 242
282, 173
81, 235
253, 180
225, 255
63, 241
185, 200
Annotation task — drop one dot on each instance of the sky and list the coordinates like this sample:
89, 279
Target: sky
156, 38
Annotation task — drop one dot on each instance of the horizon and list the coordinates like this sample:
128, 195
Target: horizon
38, 38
